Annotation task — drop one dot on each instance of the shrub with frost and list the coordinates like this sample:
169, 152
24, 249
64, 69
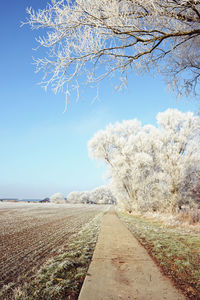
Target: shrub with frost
57, 198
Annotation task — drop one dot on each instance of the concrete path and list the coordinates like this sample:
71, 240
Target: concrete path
122, 269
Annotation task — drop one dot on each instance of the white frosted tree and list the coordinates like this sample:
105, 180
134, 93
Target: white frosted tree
92, 39
57, 198
73, 197
79, 197
129, 151
180, 155
102, 195
108, 145
150, 167
85, 197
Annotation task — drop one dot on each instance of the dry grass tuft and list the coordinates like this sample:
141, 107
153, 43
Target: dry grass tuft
187, 219
190, 216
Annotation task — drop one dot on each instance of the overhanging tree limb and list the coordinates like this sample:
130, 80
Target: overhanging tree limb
144, 34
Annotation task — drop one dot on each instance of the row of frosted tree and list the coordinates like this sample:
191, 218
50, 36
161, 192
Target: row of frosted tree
152, 168
100, 195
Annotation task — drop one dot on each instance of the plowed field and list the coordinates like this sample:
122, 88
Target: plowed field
32, 233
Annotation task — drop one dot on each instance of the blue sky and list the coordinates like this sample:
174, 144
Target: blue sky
44, 150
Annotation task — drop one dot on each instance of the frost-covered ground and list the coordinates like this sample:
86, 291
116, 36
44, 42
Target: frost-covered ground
16, 205
176, 249
31, 233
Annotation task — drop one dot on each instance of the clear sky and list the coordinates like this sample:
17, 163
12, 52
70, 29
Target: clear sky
44, 151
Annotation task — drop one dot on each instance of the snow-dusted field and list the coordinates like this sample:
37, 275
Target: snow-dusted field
16, 205
30, 233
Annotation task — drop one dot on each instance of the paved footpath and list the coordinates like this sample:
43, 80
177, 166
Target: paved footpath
122, 269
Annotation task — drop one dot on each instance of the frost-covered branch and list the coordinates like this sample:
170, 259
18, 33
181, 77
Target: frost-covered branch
89, 40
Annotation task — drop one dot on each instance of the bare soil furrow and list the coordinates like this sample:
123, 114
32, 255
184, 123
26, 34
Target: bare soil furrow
31, 234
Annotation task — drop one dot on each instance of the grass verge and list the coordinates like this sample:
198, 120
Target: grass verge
176, 251
63, 275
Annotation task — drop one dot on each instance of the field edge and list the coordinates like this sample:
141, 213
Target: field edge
62, 276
